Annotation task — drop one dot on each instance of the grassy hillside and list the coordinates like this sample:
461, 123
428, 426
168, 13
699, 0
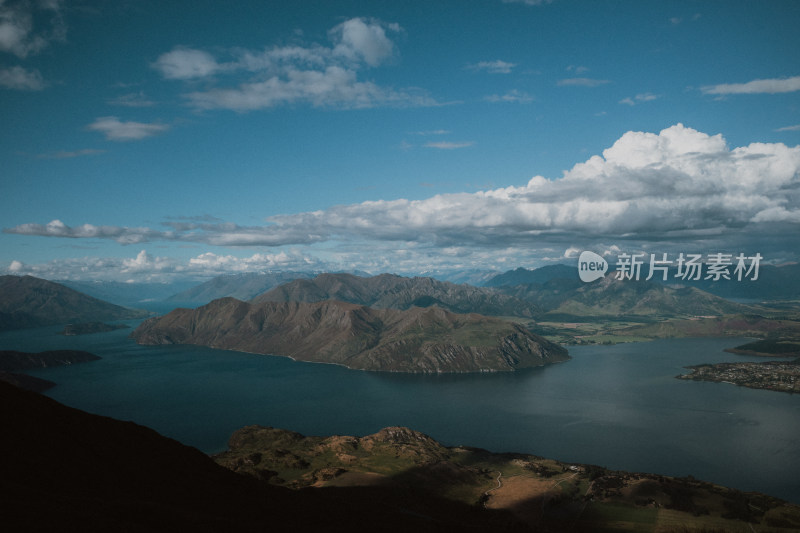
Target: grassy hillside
547, 495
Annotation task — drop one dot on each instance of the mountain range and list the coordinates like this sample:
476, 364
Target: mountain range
356, 336
133, 294
610, 297
240, 286
389, 291
27, 302
773, 283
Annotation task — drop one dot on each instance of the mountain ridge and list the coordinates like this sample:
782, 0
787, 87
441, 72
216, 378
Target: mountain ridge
242, 286
424, 340
390, 291
26, 302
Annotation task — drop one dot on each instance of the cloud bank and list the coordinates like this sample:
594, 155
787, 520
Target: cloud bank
679, 185
145, 267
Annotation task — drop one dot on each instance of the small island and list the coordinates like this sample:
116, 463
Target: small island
783, 376
769, 348
89, 328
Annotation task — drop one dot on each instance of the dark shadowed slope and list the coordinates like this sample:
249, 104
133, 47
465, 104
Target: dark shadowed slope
66, 470
27, 302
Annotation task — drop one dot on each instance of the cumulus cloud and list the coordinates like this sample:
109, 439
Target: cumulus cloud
22, 33
765, 86
313, 74
185, 64
21, 79
361, 40
116, 130
678, 185
497, 66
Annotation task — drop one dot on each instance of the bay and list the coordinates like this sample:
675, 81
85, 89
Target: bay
616, 406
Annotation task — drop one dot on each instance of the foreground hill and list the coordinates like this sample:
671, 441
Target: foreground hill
356, 336
27, 302
388, 291
240, 286
67, 470
546, 494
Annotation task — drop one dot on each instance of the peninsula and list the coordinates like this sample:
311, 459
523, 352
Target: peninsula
419, 340
781, 376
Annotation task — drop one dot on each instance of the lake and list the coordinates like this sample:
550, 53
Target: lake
615, 406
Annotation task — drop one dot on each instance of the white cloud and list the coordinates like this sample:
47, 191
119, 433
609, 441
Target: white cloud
766, 86
145, 267
582, 82
334, 86
497, 66
116, 130
674, 186
642, 97
360, 40
796, 127
312, 74
185, 64
132, 100
577, 69
449, 145
512, 96
21, 79
23, 34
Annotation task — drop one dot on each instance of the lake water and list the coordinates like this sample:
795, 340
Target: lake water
616, 406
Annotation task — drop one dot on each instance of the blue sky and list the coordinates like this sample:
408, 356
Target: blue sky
148, 142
